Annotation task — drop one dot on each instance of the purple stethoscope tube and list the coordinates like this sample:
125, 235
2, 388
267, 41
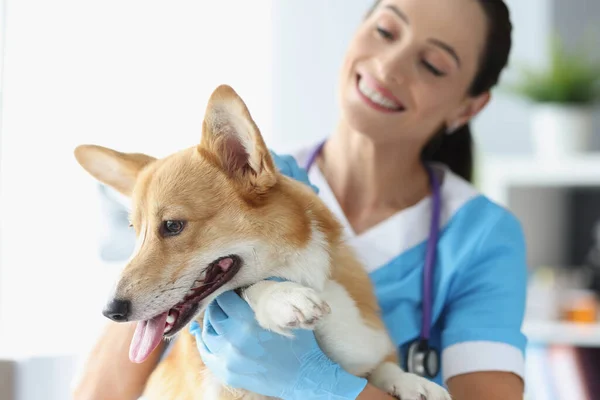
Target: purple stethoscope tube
431, 245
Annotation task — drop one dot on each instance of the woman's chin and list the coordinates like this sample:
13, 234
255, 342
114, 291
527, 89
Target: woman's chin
376, 127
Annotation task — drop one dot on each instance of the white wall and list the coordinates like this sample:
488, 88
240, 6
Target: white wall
310, 39
2, 36
132, 74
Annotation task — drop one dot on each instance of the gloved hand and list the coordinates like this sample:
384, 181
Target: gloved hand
288, 166
243, 355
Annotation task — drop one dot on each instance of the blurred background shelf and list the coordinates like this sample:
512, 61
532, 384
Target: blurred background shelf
563, 333
557, 202
499, 173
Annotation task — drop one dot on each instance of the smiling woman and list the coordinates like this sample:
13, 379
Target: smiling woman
433, 57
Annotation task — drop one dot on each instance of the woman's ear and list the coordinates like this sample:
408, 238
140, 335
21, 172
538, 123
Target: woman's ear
469, 109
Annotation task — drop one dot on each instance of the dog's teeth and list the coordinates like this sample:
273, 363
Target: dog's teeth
170, 319
167, 329
190, 293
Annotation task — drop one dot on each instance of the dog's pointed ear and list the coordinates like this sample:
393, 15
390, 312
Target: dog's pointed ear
230, 134
115, 169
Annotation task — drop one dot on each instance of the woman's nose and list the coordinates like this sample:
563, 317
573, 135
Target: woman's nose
392, 66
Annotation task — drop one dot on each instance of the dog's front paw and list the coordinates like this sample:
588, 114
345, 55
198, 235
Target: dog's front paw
390, 378
287, 305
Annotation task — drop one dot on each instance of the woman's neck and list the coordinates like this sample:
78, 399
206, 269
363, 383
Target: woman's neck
370, 181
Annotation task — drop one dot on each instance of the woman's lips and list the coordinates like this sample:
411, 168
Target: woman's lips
377, 96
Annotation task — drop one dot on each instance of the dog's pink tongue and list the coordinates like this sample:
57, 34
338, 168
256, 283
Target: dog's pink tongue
147, 337
225, 264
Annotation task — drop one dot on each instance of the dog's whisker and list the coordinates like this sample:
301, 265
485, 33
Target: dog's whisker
184, 287
171, 289
206, 283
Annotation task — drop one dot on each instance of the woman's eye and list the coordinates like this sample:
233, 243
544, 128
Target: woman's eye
172, 228
384, 34
433, 69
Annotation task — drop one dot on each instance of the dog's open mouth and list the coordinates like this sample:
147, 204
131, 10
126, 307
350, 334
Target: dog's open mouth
149, 333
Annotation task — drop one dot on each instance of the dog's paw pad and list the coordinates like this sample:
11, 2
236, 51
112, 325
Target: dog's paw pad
291, 307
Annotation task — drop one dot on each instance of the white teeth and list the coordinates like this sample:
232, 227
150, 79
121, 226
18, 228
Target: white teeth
375, 96
170, 321
190, 292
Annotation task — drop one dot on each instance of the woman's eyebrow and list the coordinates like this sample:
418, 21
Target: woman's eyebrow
449, 49
444, 46
398, 12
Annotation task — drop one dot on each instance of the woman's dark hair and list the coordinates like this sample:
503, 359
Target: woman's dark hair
456, 150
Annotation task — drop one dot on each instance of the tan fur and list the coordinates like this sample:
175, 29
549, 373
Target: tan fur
223, 198
352, 275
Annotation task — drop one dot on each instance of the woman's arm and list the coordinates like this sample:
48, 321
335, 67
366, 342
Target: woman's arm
486, 385
108, 373
472, 386
372, 393
482, 340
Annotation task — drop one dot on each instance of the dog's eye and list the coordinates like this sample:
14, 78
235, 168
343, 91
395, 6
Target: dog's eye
172, 228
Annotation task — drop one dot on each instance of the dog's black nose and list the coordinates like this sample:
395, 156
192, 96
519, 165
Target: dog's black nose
118, 310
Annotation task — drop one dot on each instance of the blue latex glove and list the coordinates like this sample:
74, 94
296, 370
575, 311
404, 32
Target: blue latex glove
243, 355
288, 166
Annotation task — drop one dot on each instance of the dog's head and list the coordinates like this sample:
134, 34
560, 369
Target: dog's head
204, 219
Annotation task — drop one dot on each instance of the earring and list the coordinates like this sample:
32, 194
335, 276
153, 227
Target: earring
452, 128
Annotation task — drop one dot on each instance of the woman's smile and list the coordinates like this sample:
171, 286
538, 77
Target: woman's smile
376, 95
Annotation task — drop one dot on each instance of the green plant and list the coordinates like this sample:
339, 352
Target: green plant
571, 77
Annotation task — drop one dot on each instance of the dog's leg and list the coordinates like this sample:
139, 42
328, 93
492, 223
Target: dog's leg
391, 378
282, 306
342, 333
347, 338
364, 350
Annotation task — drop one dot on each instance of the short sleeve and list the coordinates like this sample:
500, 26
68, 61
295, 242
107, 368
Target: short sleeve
486, 305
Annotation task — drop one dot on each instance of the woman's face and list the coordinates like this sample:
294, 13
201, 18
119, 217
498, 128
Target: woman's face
409, 67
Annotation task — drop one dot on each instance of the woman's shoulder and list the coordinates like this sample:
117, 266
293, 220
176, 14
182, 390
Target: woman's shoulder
477, 225
486, 243
465, 203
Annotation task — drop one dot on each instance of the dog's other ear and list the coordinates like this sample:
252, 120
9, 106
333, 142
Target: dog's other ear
117, 170
230, 134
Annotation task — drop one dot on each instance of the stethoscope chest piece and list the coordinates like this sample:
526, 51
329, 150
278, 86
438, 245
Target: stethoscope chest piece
423, 360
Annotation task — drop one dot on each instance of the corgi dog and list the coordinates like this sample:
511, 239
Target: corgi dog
219, 216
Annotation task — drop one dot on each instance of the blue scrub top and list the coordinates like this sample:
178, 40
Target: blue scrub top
480, 276
479, 291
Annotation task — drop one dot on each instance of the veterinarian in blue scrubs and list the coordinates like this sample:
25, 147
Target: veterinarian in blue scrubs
415, 74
